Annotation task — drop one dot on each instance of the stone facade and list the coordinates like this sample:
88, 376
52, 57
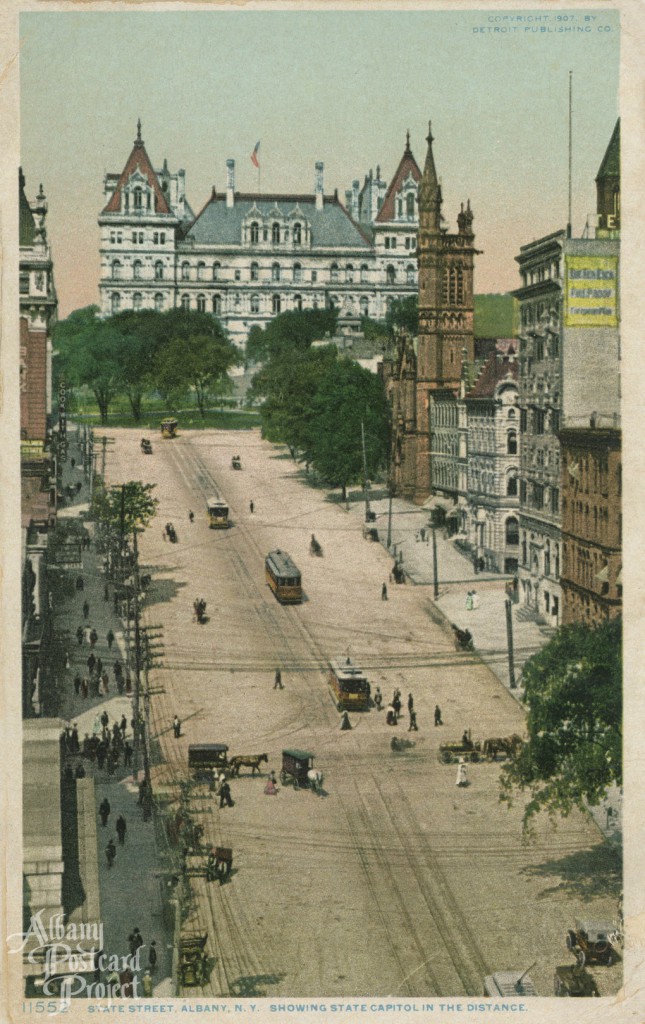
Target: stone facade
246, 257
492, 413
38, 306
591, 523
445, 342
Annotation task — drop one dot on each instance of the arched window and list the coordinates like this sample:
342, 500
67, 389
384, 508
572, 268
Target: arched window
116, 269
409, 273
201, 303
276, 304
460, 285
255, 272
333, 273
275, 234
216, 303
390, 274
216, 270
275, 272
409, 201
185, 302
511, 486
511, 442
365, 306
255, 303
158, 302
159, 271
185, 271
255, 233
364, 273
115, 302
297, 272
297, 234
297, 302
201, 271
136, 301
511, 413
137, 267
349, 274
512, 531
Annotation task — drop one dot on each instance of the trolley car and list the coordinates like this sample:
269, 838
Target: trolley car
217, 514
169, 427
284, 578
349, 686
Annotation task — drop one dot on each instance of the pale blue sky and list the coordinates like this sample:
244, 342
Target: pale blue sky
336, 86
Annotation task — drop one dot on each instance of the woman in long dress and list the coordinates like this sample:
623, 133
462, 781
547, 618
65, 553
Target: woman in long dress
461, 773
270, 789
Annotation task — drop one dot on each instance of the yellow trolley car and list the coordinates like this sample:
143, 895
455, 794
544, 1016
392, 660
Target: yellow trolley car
169, 427
217, 514
349, 687
284, 578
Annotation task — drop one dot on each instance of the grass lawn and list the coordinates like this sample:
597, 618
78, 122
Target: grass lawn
120, 415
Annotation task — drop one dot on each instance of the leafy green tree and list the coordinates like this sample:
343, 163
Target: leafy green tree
89, 352
403, 313
198, 361
142, 335
573, 690
290, 332
374, 330
346, 397
125, 507
289, 386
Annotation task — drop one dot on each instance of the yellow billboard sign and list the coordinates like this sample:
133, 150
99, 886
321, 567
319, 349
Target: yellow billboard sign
591, 291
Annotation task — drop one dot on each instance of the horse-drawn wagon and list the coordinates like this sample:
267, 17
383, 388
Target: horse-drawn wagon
193, 961
465, 749
205, 759
236, 462
298, 768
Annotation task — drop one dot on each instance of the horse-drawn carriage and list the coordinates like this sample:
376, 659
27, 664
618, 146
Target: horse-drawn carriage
465, 749
315, 548
463, 639
208, 759
236, 462
171, 533
146, 446
298, 768
193, 961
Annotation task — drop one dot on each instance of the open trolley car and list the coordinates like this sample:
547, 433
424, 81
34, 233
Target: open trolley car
284, 578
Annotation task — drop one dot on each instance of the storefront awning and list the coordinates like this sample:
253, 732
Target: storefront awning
619, 578
603, 575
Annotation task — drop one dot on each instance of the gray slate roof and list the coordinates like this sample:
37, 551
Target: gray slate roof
331, 227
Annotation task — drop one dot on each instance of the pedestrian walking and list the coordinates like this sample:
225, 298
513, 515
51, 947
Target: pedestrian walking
127, 754
410, 703
475, 600
384, 592
422, 533
152, 955
251, 507
105, 679
396, 704
99, 666
469, 601
462, 779
110, 853
225, 795
378, 698
93, 637
80, 632
91, 662
104, 810
121, 829
413, 727
85, 689
110, 639
80, 583
146, 984
277, 682
345, 723
105, 718
77, 684
74, 745
437, 715
86, 609
134, 941
176, 727
123, 725
191, 516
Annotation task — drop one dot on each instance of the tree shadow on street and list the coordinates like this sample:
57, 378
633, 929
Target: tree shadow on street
161, 591
585, 873
250, 985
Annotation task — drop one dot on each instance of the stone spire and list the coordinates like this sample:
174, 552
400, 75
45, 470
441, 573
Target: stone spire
138, 141
430, 192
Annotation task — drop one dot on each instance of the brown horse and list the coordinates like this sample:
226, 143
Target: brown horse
507, 745
251, 761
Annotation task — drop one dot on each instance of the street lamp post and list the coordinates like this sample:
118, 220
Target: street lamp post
509, 634
435, 568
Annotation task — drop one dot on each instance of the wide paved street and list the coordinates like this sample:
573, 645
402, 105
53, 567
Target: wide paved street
394, 881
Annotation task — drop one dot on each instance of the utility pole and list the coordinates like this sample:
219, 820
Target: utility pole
365, 492
509, 635
435, 570
389, 518
137, 661
90, 459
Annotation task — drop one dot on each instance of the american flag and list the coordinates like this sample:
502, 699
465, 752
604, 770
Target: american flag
254, 155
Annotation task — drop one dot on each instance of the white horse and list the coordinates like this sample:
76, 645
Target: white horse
315, 777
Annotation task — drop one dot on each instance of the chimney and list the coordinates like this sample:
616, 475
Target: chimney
318, 186
230, 182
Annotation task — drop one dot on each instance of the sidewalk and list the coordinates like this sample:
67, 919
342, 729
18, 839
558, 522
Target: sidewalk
130, 891
487, 623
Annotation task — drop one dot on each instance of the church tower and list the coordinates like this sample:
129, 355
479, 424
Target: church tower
446, 336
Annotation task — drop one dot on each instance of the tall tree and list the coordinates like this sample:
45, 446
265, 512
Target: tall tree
573, 690
348, 396
198, 361
403, 313
89, 354
142, 334
125, 507
291, 332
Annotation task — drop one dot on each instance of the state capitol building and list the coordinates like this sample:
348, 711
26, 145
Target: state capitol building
246, 257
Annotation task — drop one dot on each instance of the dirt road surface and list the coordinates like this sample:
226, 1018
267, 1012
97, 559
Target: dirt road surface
394, 881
